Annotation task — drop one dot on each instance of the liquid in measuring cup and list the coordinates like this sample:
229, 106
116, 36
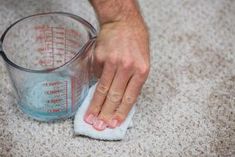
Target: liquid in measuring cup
57, 97
54, 95
48, 56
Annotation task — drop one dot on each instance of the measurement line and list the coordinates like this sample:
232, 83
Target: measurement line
66, 95
72, 92
52, 39
58, 27
45, 44
65, 46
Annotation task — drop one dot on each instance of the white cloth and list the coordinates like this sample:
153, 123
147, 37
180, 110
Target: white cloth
82, 128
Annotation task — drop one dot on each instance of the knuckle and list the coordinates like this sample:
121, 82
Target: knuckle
127, 64
107, 71
129, 100
112, 60
114, 97
143, 70
98, 59
102, 89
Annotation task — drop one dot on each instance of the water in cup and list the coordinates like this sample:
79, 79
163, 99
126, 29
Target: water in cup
48, 57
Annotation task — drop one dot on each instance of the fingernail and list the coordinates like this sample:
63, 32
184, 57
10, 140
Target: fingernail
113, 123
99, 125
89, 119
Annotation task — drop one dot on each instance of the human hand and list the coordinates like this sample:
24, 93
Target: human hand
121, 61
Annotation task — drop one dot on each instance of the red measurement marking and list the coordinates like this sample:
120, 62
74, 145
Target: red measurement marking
44, 52
60, 49
59, 38
49, 45
73, 42
41, 49
54, 39
66, 92
60, 33
58, 27
55, 110
72, 32
48, 34
45, 62
72, 46
48, 39
59, 53
54, 101
72, 90
58, 61
40, 38
40, 27
54, 83
65, 47
71, 55
46, 31
52, 34
51, 92
59, 43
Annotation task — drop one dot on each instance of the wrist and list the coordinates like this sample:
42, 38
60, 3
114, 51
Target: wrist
134, 25
138, 30
109, 11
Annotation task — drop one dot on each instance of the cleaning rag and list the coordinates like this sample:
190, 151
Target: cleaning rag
82, 128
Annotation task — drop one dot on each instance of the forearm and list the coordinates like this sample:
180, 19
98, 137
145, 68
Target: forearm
117, 10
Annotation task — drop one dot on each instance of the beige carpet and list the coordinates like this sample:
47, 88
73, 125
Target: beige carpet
187, 106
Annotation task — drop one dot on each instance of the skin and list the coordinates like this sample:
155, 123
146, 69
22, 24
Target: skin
121, 62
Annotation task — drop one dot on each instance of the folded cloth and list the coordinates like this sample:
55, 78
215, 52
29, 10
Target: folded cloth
82, 128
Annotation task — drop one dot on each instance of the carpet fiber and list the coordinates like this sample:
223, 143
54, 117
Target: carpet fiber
187, 106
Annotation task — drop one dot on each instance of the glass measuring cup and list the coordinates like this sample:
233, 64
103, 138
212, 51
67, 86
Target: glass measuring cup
48, 57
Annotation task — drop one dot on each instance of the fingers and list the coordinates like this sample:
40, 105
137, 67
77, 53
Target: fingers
100, 94
114, 96
129, 98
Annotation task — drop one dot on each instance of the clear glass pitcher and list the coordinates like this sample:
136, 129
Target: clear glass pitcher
48, 57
